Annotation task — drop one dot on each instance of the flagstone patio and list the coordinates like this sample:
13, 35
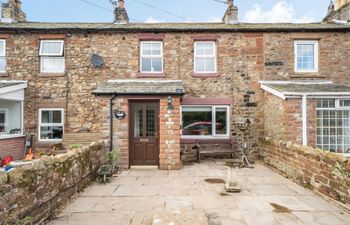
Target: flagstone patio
151, 196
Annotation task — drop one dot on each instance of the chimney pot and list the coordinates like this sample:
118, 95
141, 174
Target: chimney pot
231, 15
121, 4
11, 12
121, 16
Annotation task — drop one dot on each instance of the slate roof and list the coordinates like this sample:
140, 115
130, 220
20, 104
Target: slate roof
175, 27
141, 87
309, 88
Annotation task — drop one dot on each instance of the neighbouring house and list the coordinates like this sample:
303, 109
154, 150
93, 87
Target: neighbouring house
157, 91
338, 11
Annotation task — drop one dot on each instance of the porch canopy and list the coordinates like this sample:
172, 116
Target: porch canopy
11, 108
292, 89
141, 87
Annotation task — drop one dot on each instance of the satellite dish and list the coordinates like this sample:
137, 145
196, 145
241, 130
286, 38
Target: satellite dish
96, 60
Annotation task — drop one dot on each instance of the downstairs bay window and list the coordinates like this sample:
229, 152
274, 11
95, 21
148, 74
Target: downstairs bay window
10, 118
333, 125
205, 121
51, 124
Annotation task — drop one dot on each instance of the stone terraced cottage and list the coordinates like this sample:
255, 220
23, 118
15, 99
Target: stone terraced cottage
158, 91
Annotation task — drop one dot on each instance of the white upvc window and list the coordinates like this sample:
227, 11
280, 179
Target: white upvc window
205, 57
52, 56
51, 124
198, 121
306, 56
2, 56
151, 57
333, 125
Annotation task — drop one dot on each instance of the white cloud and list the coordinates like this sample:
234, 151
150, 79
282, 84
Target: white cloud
152, 20
281, 12
214, 19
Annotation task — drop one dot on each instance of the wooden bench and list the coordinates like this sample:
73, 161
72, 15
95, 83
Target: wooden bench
70, 139
228, 150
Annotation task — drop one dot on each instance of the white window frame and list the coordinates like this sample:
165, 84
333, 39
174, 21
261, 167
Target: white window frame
337, 104
316, 55
161, 56
206, 56
52, 55
50, 124
214, 135
3, 55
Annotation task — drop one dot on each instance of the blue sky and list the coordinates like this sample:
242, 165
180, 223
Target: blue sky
194, 10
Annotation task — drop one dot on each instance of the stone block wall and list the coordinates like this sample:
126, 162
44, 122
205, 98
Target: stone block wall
324, 172
35, 191
14, 147
169, 135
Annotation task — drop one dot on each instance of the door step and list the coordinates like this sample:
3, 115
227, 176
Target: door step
143, 167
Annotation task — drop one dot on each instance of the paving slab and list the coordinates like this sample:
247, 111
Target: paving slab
151, 196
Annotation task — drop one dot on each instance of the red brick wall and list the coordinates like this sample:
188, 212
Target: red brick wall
324, 172
12, 147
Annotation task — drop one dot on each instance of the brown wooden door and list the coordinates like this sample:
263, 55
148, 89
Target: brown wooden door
144, 133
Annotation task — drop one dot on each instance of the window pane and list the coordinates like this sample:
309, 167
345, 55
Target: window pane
344, 103
2, 48
200, 65
51, 48
197, 121
156, 49
52, 64
51, 116
221, 121
209, 65
157, 65
209, 49
146, 65
200, 49
146, 48
2, 121
51, 132
2, 64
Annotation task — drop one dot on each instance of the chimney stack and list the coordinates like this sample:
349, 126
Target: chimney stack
231, 14
11, 12
121, 16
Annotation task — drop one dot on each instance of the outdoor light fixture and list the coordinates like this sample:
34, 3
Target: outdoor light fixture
119, 114
170, 103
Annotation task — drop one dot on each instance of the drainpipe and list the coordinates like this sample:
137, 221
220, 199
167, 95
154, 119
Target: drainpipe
111, 122
304, 116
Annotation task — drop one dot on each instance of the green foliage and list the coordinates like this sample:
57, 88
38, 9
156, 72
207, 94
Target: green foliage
113, 156
26, 221
75, 146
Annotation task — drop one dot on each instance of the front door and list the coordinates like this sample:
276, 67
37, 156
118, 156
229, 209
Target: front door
144, 133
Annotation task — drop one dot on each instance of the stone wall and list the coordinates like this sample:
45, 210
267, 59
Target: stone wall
324, 172
12, 147
35, 191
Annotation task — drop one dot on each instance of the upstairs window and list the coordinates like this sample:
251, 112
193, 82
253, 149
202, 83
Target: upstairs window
2, 56
205, 57
306, 56
52, 56
51, 124
151, 57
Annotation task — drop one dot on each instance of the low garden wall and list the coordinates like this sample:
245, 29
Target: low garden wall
30, 194
324, 172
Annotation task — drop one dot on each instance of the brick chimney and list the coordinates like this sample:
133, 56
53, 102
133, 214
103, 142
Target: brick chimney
231, 15
11, 12
121, 16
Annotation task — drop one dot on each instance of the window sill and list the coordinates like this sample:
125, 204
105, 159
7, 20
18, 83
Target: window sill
4, 74
9, 136
150, 75
205, 75
52, 74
